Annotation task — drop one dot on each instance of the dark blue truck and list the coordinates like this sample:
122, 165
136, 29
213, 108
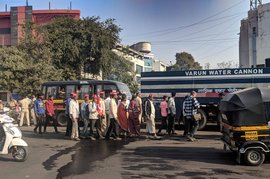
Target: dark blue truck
209, 84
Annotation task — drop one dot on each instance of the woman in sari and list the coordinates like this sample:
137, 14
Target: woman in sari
123, 114
133, 119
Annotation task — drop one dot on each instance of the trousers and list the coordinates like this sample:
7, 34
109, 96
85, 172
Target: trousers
25, 113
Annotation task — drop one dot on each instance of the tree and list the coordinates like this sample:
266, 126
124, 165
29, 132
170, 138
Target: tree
185, 61
81, 45
24, 72
228, 64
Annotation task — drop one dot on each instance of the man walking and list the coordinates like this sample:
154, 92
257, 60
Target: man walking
50, 115
172, 114
150, 116
94, 119
139, 104
107, 109
40, 112
69, 122
189, 109
25, 110
164, 114
103, 114
74, 113
114, 126
32, 111
85, 115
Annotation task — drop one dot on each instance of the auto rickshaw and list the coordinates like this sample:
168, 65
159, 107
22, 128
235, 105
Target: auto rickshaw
245, 124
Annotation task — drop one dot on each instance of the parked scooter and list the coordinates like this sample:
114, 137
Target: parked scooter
11, 139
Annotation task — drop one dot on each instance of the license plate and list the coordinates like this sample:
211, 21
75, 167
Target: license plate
251, 135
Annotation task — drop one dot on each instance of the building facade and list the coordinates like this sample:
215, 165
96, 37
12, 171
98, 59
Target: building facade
133, 56
11, 23
150, 63
254, 40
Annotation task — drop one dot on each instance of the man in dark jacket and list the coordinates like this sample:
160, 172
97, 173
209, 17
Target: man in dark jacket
150, 116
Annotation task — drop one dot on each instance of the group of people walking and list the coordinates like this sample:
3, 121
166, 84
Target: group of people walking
105, 117
36, 109
189, 112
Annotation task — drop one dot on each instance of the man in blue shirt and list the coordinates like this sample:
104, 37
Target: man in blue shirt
39, 112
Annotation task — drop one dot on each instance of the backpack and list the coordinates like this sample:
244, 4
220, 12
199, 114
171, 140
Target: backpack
87, 112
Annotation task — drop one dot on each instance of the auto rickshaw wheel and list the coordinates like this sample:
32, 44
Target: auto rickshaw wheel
254, 157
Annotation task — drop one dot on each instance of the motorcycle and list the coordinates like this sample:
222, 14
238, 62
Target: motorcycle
11, 139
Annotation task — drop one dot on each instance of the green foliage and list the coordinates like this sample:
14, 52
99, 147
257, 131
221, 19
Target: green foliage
185, 61
62, 50
25, 72
80, 45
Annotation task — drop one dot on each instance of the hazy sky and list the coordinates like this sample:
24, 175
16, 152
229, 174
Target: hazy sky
208, 29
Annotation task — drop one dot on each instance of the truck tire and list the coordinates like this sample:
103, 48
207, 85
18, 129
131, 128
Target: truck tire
203, 120
62, 119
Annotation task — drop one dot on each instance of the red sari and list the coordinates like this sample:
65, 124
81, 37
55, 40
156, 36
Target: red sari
133, 119
123, 116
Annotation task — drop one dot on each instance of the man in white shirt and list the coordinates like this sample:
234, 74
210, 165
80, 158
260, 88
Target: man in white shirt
107, 109
114, 126
139, 104
172, 114
74, 113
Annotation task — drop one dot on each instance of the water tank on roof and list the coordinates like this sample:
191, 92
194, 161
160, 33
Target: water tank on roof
144, 47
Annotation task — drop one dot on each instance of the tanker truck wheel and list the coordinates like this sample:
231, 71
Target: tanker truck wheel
203, 120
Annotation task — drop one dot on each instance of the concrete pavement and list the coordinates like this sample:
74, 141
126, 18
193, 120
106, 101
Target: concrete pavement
55, 156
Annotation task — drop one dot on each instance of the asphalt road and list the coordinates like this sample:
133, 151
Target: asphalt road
54, 156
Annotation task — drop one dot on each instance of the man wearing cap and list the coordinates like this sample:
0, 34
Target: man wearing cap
103, 116
85, 115
114, 127
150, 116
74, 113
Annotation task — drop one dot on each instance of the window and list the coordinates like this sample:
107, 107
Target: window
123, 88
98, 88
69, 89
148, 62
51, 90
139, 69
109, 88
62, 92
85, 89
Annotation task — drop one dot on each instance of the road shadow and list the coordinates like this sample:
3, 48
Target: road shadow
47, 135
86, 153
5, 159
197, 154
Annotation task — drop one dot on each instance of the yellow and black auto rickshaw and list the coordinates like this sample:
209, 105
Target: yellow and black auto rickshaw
245, 124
